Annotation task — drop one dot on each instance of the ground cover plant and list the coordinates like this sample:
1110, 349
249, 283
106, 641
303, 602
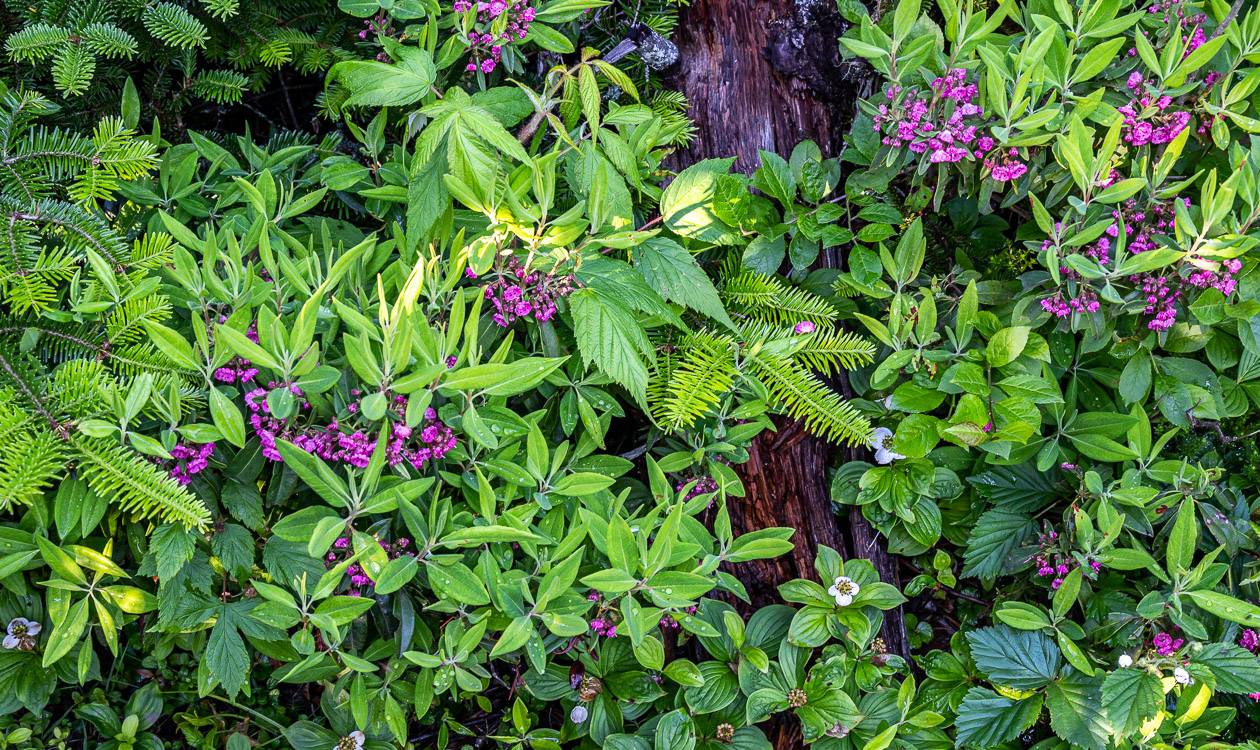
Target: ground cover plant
425, 424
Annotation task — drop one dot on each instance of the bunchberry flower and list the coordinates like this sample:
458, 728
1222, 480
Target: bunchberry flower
20, 634
844, 589
881, 443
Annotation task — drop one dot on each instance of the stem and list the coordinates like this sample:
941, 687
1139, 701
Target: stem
1229, 18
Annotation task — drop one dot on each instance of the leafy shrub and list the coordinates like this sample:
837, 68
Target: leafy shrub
428, 434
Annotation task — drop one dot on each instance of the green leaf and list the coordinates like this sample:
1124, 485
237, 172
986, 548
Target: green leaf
477, 535
993, 541
226, 655
1022, 616
1019, 659
611, 339
1075, 703
67, 633
986, 719
456, 581
775, 178
1236, 669
317, 475
720, 689
1226, 607
506, 379
396, 574
1006, 345
240, 345
687, 204
515, 636
1102, 448
1183, 538
377, 84
674, 273
172, 545
1132, 696
173, 345
911, 249
227, 417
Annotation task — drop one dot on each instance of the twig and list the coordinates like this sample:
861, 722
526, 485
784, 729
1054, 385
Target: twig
1229, 18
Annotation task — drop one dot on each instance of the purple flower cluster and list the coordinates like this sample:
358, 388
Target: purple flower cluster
416, 447
381, 25
1165, 645
239, 370
943, 124
667, 622
1250, 640
360, 583
1141, 227
521, 293
1053, 563
703, 486
1005, 166
190, 459
487, 45
604, 628
1061, 306
1222, 277
1147, 118
1161, 297
805, 326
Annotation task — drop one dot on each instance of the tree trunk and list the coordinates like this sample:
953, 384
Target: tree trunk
766, 74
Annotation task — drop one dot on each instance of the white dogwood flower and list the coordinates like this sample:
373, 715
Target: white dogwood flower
21, 634
844, 589
881, 443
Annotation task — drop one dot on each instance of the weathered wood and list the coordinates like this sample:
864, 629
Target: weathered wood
785, 478
739, 101
766, 74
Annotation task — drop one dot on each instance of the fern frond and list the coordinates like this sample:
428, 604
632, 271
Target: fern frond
118, 152
691, 383
31, 457
125, 323
175, 26
767, 299
134, 484
801, 395
830, 350
39, 41
109, 41
72, 69
220, 86
222, 9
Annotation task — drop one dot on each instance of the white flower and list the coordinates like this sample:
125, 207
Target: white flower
21, 634
881, 443
844, 589
1125, 661
1182, 676
578, 714
352, 741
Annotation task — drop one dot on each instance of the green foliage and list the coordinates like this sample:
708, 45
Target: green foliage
189, 53
75, 299
430, 431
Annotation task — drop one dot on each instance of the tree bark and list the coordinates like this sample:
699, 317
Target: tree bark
766, 74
